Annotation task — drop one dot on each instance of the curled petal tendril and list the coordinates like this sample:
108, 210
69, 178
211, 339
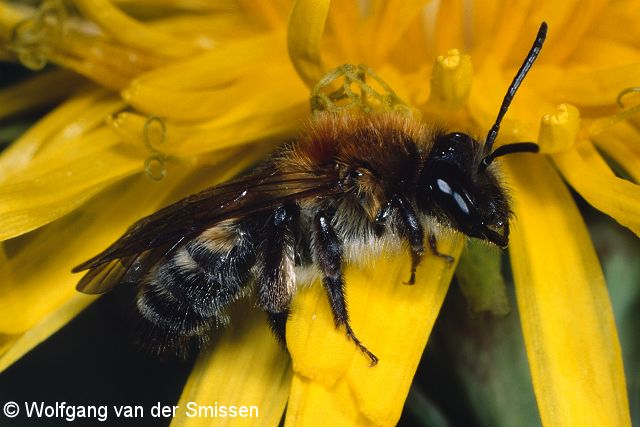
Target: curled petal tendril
155, 165
32, 38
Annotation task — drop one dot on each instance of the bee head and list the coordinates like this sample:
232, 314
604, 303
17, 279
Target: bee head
457, 183
455, 187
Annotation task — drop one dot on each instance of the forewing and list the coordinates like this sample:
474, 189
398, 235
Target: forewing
131, 269
154, 236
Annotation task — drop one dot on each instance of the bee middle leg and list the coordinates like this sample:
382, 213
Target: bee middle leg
276, 282
411, 227
433, 245
328, 248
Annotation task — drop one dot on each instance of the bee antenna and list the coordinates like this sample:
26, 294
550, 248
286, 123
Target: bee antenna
515, 84
518, 147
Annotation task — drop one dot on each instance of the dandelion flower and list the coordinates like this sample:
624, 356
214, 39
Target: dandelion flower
153, 96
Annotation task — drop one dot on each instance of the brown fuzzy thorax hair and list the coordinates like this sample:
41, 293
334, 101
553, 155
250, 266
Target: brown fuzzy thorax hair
385, 152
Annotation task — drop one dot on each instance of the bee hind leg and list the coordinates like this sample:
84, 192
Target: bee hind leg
328, 250
276, 281
278, 325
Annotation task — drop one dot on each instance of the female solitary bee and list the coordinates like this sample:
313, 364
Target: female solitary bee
348, 186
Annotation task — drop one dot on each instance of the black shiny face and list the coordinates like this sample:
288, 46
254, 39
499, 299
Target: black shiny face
452, 187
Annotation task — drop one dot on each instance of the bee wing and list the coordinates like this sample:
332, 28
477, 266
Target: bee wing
150, 239
103, 277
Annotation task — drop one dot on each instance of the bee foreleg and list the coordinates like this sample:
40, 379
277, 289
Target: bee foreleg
276, 282
412, 229
433, 245
328, 249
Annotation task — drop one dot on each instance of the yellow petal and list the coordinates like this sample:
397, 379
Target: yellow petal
71, 44
615, 143
310, 401
19, 345
570, 21
274, 85
595, 51
344, 19
306, 25
227, 23
583, 87
36, 92
449, 31
5, 343
416, 40
54, 186
387, 25
590, 176
24, 149
522, 121
271, 12
484, 15
78, 132
619, 15
104, 75
245, 367
566, 316
131, 32
43, 264
601, 124
187, 5
392, 319
10, 16
230, 60
271, 125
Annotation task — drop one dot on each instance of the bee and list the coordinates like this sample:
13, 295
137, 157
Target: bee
345, 188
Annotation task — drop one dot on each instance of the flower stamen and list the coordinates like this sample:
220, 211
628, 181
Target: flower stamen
558, 131
451, 80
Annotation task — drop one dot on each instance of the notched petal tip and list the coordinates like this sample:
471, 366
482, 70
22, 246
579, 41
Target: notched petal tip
559, 130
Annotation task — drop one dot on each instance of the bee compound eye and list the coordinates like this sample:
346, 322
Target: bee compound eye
456, 199
456, 136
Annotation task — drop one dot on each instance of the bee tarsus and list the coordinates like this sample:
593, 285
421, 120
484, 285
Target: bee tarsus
372, 357
433, 245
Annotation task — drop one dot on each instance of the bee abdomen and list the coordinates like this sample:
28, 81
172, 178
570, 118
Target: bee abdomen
169, 314
190, 291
